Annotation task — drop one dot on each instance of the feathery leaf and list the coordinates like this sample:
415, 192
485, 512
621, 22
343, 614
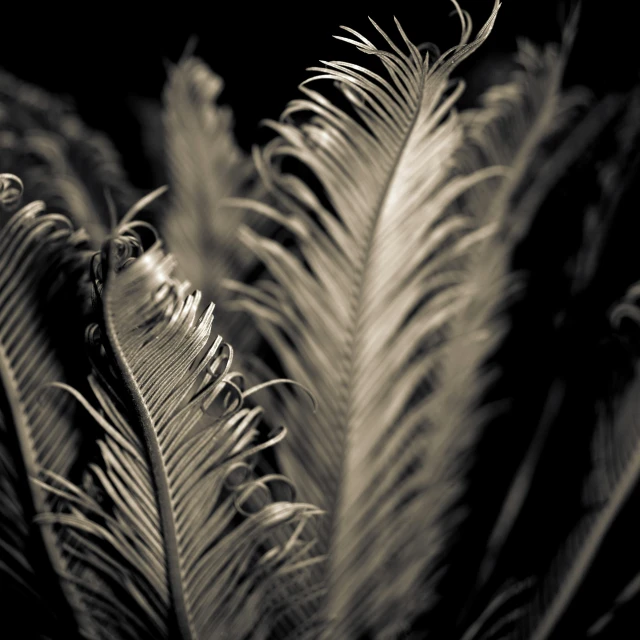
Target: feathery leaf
184, 534
569, 362
39, 256
204, 167
359, 315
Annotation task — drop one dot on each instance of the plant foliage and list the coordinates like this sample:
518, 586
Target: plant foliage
454, 290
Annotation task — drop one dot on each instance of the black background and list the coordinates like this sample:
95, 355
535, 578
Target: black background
109, 55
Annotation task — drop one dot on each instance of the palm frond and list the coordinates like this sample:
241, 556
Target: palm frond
205, 166
359, 315
184, 536
598, 217
40, 255
510, 129
441, 282
61, 160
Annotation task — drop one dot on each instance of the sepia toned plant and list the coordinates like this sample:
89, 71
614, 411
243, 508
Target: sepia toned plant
421, 416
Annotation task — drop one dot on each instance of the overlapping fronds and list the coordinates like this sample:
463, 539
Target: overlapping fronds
509, 130
359, 316
440, 281
60, 160
537, 130
177, 535
519, 124
39, 255
572, 371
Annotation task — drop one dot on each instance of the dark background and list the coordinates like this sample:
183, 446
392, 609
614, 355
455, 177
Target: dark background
107, 56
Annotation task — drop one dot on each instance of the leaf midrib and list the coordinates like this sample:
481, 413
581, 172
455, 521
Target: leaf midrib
345, 407
133, 398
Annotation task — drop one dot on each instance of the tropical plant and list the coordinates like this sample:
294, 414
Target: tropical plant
447, 303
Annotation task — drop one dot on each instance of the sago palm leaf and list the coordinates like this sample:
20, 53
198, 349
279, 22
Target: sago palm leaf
596, 220
205, 166
60, 160
361, 306
359, 315
40, 255
568, 598
516, 127
177, 536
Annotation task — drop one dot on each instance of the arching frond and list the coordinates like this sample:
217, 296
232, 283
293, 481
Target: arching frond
184, 539
441, 283
39, 257
205, 166
538, 131
360, 314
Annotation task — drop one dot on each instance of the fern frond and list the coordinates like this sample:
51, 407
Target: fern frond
40, 255
184, 536
205, 166
359, 314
